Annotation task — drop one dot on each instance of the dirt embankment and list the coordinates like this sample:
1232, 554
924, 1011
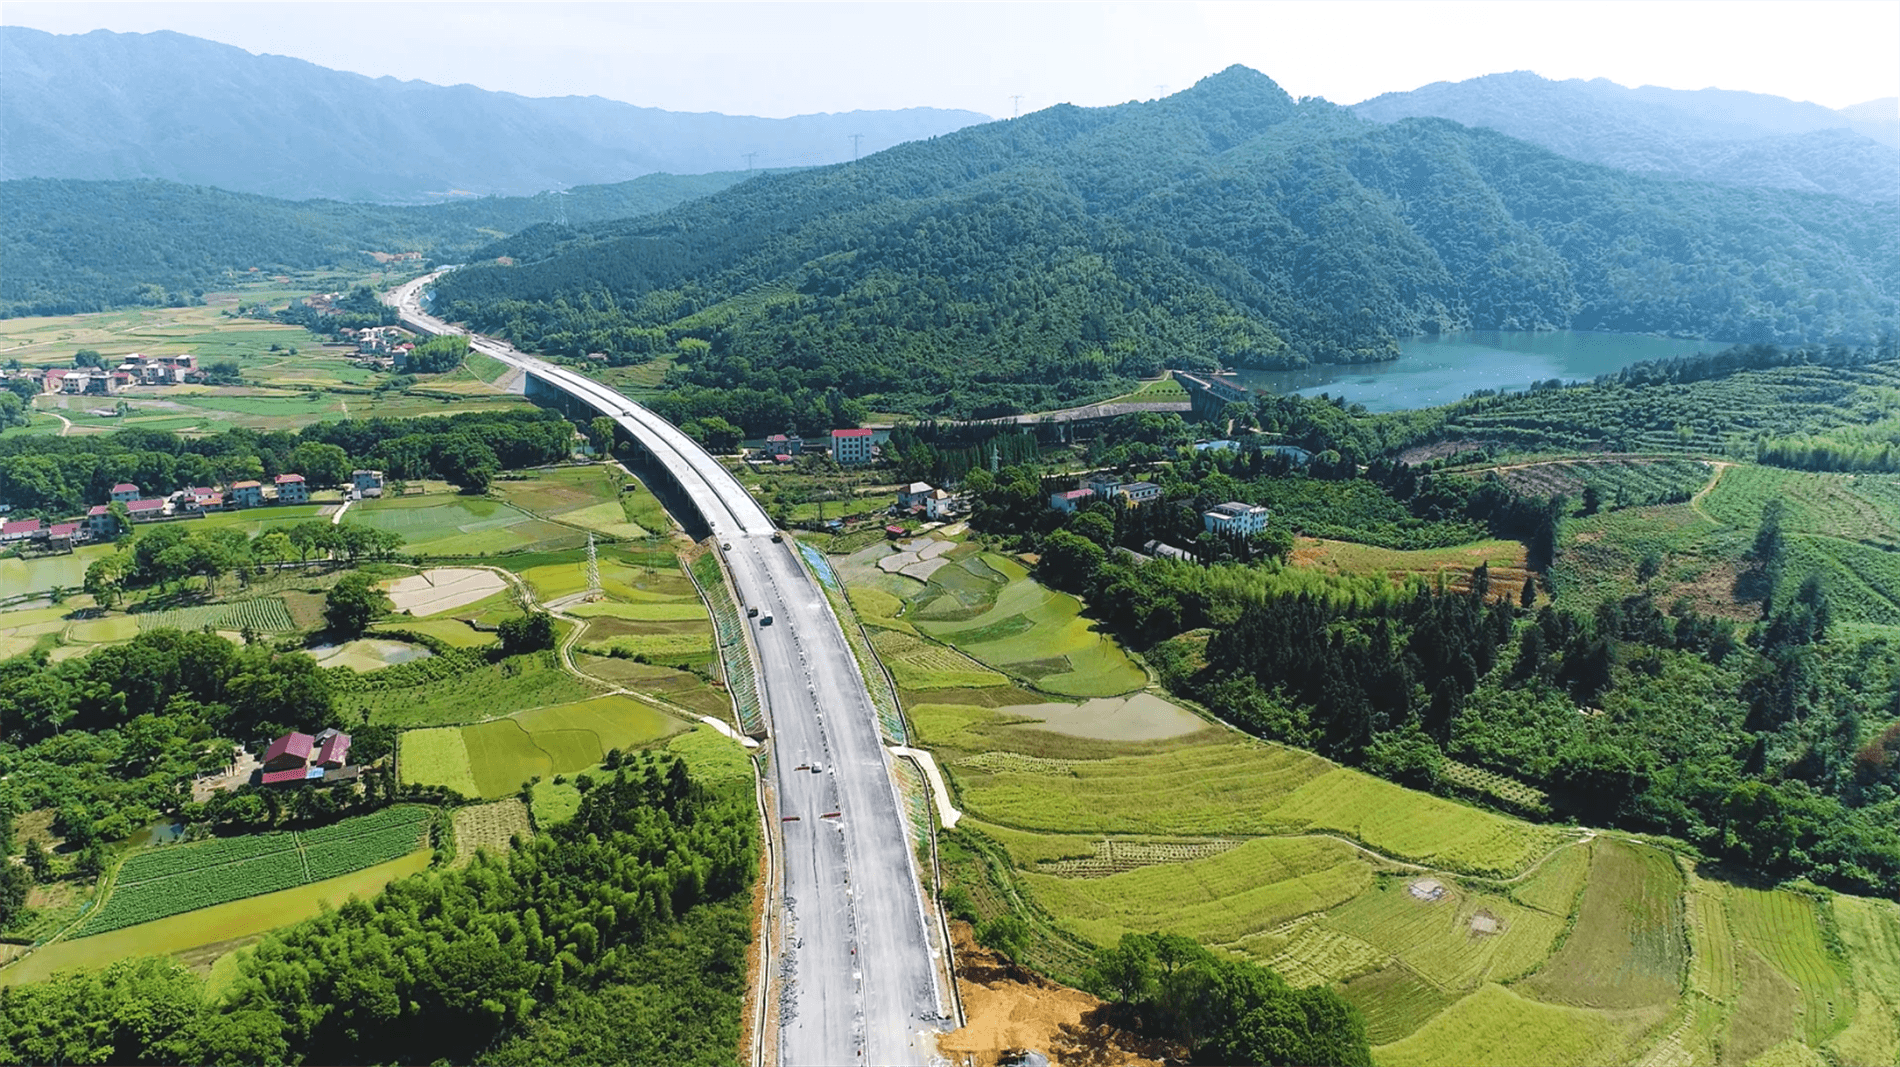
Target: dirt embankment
1010, 1010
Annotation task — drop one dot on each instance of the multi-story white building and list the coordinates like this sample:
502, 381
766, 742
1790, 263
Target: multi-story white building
851, 446
1235, 519
291, 489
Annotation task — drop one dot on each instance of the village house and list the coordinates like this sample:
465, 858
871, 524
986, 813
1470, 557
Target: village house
297, 757
1135, 494
291, 489
148, 510
201, 498
160, 370
22, 530
101, 521
914, 494
61, 535
941, 504
780, 444
246, 494
125, 493
367, 483
1235, 519
851, 446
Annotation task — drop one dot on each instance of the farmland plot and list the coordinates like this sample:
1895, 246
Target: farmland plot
1626, 949
173, 879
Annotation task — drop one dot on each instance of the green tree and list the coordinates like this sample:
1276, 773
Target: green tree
353, 603
601, 431
323, 464
529, 632
14, 883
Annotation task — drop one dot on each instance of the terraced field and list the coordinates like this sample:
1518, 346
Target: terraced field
1623, 481
1464, 937
986, 606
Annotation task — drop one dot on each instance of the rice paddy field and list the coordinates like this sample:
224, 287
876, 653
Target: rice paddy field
1462, 936
493, 759
987, 608
1504, 560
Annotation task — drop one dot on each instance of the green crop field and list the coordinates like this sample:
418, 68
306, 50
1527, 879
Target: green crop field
493, 689
157, 883
649, 611
264, 615
1627, 948
18, 576
460, 525
492, 759
452, 630
439, 757
237, 920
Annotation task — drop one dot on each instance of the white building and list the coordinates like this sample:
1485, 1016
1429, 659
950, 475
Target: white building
291, 489
1235, 519
851, 446
367, 482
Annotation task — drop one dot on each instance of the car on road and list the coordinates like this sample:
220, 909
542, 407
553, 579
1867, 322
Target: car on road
777, 537
765, 620
752, 613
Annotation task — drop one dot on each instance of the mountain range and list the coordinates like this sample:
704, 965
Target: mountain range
1716, 135
164, 105
1028, 263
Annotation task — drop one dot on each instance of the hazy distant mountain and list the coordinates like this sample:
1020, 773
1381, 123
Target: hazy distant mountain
1710, 135
163, 105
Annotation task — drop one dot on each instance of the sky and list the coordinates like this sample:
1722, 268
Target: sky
779, 59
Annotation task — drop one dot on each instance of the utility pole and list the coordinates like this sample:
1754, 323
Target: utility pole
749, 157
855, 138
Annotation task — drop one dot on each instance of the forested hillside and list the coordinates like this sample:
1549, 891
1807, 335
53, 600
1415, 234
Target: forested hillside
75, 246
1712, 135
107, 105
1044, 261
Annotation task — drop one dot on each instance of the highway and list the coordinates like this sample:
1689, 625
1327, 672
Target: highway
855, 980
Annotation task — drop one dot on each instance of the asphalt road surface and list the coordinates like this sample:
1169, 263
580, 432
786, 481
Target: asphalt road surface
855, 982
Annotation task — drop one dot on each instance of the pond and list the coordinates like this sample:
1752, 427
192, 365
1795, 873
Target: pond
1438, 370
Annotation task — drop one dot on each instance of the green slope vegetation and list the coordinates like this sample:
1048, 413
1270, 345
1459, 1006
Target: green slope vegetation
1040, 262
74, 246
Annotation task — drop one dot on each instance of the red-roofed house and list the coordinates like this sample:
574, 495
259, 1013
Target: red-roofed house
851, 446
246, 494
146, 510
296, 758
101, 520
291, 489
61, 534
333, 749
19, 531
125, 493
784, 445
203, 498
291, 750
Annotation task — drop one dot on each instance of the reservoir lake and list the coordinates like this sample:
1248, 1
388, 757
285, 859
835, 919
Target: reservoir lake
1438, 370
